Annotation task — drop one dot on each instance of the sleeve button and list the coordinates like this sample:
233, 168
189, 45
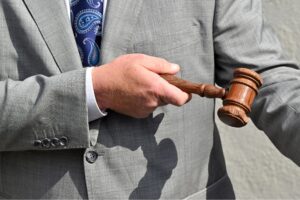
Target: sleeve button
64, 141
46, 143
37, 143
55, 142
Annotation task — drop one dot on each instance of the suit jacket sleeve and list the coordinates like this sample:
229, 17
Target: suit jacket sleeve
242, 38
42, 107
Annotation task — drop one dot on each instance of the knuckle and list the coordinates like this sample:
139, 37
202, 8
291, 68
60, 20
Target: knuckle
138, 56
122, 57
130, 69
132, 58
162, 60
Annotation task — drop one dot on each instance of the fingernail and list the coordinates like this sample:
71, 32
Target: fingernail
175, 66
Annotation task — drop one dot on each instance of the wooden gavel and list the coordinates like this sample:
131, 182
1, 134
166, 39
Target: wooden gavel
237, 100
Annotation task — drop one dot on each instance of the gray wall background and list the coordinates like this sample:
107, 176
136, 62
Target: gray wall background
255, 166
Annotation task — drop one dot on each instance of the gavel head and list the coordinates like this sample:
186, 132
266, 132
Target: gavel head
239, 98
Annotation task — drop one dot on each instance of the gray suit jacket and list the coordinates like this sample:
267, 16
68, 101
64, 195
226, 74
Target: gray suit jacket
176, 152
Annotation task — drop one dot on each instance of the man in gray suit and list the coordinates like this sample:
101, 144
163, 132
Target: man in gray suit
56, 143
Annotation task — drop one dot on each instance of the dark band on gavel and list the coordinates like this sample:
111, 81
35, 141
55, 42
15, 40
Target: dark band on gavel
237, 100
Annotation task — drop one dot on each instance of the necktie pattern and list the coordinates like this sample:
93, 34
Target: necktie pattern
87, 18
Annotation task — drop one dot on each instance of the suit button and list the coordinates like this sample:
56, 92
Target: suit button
91, 156
63, 141
37, 143
46, 143
55, 142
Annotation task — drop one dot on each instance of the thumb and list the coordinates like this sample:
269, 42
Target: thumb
174, 95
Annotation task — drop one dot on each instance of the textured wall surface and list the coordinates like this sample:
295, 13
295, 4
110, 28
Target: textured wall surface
256, 167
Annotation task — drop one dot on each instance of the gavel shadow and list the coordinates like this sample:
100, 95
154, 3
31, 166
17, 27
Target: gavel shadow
161, 157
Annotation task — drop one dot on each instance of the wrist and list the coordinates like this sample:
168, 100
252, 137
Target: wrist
99, 79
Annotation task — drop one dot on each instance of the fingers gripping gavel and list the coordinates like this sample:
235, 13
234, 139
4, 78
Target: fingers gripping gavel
237, 100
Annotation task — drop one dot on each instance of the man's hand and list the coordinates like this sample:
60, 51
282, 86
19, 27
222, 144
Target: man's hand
130, 85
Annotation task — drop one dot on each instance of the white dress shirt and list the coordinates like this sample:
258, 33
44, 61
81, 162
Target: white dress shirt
93, 110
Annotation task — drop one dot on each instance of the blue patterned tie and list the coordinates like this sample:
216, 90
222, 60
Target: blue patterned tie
87, 17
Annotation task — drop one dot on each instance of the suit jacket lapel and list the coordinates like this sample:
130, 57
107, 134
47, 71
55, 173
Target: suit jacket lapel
53, 22
121, 18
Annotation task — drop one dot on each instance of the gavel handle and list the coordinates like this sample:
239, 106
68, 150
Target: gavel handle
204, 90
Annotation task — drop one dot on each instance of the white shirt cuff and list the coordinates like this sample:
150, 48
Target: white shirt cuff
93, 110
